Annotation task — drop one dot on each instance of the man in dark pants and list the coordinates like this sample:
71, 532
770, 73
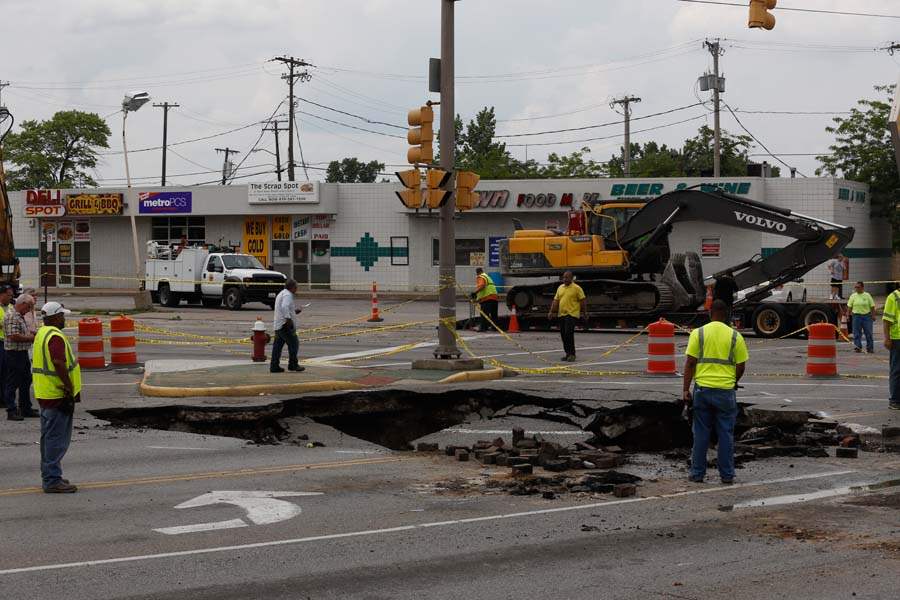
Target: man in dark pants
18, 366
891, 324
12, 413
715, 360
570, 304
486, 296
286, 329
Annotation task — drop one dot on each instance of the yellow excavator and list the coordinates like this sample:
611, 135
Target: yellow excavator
620, 255
9, 264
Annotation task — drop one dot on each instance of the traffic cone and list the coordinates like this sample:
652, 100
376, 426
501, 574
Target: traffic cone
707, 304
513, 322
845, 325
375, 318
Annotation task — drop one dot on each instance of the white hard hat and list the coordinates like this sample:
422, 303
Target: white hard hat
54, 308
259, 325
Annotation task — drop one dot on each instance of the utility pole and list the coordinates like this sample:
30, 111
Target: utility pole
292, 76
227, 151
625, 102
447, 347
165, 106
716, 51
274, 128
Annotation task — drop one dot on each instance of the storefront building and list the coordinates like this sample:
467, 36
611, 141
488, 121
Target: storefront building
345, 236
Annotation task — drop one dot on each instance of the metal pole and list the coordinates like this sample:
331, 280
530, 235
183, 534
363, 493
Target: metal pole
627, 152
165, 132
42, 242
131, 206
717, 166
291, 123
446, 347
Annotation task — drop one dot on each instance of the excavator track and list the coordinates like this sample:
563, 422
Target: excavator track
606, 298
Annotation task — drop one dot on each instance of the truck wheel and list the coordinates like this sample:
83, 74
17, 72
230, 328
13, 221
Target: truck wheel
167, 297
211, 302
233, 299
770, 321
816, 313
522, 300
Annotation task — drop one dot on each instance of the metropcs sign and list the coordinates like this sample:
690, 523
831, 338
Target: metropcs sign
44, 203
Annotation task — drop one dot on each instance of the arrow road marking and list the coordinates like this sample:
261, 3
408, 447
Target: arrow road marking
262, 508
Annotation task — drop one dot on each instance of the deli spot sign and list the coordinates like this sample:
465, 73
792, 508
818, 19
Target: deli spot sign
44, 203
164, 203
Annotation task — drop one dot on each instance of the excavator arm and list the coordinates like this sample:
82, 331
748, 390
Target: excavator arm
9, 264
816, 241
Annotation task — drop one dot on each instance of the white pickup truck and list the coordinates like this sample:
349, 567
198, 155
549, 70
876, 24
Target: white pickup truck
211, 278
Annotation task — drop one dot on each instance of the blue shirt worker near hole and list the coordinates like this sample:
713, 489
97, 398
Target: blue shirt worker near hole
715, 362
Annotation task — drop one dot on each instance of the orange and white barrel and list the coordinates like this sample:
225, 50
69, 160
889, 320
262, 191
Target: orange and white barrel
90, 344
821, 353
661, 348
121, 341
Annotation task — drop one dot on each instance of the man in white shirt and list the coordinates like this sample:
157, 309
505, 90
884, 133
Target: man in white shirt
286, 329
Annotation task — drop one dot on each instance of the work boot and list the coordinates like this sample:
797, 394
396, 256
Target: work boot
571, 358
857, 349
62, 487
564, 358
12, 415
893, 406
276, 370
296, 368
29, 414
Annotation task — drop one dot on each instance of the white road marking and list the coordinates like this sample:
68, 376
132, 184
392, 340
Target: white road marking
357, 452
798, 498
501, 431
364, 353
109, 384
373, 532
177, 448
262, 508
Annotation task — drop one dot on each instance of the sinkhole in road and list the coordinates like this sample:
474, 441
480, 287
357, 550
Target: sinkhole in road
630, 419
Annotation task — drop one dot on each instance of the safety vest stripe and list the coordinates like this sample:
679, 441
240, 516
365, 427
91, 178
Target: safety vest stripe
717, 361
70, 359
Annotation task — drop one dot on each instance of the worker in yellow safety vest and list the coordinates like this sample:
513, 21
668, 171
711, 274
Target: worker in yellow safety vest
57, 387
486, 296
715, 362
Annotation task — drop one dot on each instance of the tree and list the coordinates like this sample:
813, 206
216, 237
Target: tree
57, 153
572, 165
477, 151
863, 152
698, 153
352, 170
649, 160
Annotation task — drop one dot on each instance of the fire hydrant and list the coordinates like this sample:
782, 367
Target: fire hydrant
259, 338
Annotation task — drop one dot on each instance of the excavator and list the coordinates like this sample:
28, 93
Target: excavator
9, 264
620, 255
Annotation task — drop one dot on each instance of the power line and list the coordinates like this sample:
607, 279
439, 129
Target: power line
763, 146
608, 137
300, 147
806, 10
349, 114
391, 135
182, 142
292, 77
256, 143
598, 125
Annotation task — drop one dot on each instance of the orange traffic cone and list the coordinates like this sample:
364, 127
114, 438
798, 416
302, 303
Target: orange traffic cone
376, 317
513, 322
707, 304
845, 325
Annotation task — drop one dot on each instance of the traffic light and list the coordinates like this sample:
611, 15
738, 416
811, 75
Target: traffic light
466, 196
421, 135
760, 15
411, 197
435, 179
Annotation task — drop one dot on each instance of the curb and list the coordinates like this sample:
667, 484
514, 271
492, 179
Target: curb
484, 375
156, 391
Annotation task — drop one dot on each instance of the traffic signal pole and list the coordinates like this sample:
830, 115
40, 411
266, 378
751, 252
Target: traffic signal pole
447, 347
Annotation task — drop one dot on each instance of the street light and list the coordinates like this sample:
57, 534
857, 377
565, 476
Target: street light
132, 103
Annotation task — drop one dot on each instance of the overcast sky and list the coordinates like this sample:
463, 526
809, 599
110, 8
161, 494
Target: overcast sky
558, 59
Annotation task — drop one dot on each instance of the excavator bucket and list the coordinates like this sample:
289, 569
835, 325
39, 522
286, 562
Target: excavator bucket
683, 274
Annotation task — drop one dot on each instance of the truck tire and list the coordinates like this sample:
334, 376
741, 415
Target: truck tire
232, 298
211, 302
816, 313
167, 297
770, 320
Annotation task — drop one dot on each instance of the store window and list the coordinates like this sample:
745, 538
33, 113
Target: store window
470, 252
170, 230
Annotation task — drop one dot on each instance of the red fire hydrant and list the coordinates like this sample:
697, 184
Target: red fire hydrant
259, 338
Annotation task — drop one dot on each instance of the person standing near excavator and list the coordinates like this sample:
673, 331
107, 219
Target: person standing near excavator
486, 296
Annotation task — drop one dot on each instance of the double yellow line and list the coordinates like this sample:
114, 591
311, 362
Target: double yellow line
250, 472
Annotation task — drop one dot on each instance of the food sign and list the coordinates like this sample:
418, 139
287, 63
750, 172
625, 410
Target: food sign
94, 204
